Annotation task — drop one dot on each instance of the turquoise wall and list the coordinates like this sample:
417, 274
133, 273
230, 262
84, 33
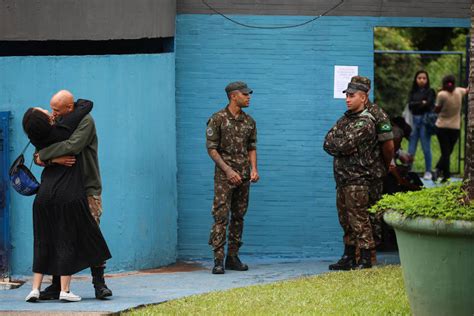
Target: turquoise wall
292, 209
134, 98
152, 151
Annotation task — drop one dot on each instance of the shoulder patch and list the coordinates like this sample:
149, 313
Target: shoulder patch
385, 127
209, 132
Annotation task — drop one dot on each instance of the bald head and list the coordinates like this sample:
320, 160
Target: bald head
62, 103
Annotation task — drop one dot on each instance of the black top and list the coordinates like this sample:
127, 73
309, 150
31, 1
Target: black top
415, 102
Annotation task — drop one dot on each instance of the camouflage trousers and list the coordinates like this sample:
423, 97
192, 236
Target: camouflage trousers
352, 203
95, 207
375, 193
230, 200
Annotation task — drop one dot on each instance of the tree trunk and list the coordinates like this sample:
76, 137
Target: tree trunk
469, 156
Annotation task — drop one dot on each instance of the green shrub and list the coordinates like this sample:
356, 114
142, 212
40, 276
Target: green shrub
443, 202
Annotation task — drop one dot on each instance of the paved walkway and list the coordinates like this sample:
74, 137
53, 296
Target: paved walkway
159, 285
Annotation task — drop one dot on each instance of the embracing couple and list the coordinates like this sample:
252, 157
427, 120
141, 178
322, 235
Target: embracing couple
68, 205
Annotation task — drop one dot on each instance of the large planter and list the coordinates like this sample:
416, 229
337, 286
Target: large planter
437, 259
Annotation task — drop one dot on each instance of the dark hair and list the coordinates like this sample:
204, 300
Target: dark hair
400, 122
414, 86
36, 124
449, 83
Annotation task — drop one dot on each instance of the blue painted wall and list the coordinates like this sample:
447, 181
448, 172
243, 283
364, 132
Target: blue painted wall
292, 209
135, 116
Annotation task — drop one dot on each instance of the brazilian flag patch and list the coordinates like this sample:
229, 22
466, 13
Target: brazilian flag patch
385, 127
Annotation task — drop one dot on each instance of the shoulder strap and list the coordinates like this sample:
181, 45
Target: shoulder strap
24, 149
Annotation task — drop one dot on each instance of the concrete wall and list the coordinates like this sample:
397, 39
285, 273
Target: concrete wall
134, 111
378, 8
86, 19
292, 209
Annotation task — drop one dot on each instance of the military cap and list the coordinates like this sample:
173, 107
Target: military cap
358, 83
238, 86
360, 79
354, 87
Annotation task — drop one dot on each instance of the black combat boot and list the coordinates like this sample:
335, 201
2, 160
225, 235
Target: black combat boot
218, 267
347, 261
365, 261
101, 290
234, 263
52, 291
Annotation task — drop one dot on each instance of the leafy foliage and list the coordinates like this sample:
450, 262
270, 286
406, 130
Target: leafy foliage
394, 72
443, 202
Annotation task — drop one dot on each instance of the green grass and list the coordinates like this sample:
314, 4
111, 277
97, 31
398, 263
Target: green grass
378, 291
419, 163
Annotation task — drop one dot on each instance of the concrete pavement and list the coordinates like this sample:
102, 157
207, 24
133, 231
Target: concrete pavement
138, 288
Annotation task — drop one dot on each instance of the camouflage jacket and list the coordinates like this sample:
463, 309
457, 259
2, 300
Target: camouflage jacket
232, 137
353, 143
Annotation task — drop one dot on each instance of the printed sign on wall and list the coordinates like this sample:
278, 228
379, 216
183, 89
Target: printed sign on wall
342, 76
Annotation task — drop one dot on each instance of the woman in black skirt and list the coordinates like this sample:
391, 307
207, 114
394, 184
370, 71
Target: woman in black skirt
66, 236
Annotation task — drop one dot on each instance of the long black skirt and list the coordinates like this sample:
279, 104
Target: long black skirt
66, 237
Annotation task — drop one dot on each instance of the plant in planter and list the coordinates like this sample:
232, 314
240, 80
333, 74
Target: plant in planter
435, 235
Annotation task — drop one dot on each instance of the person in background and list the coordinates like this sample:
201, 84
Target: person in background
400, 179
421, 101
448, 107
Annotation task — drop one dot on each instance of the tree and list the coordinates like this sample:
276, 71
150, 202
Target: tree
393, 72
469, 160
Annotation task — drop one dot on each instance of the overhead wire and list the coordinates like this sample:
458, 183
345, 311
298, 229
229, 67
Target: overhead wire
268, 26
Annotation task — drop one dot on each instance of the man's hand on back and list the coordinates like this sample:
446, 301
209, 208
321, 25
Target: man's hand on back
67, 161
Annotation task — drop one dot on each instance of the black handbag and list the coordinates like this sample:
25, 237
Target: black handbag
21, 178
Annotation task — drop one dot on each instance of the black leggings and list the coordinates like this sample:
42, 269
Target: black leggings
447, 138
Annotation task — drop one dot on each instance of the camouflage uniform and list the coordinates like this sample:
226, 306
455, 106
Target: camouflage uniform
384, 133
353, 143
232, 137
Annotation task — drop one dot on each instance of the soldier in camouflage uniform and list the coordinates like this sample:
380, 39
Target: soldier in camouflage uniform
353, 143
231, 138
385, 138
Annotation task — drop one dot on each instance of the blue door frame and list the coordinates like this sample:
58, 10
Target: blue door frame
4, 196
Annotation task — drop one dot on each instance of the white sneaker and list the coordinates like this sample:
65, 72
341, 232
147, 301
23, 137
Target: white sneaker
69, 297
33, 296
428, 176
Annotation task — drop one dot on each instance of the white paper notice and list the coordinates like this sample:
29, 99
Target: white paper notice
342, 76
